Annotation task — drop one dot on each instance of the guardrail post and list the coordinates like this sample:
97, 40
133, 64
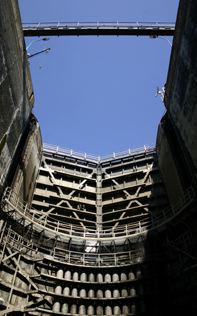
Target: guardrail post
58, 224
126, 230
17, 201
130, 258
99, 260
140, 228
25, 209
115, 259
45, 221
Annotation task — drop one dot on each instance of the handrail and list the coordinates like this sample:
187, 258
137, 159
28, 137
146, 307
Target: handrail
101, 24
93, 158
11, 202
99, 28
28, 248
99, 259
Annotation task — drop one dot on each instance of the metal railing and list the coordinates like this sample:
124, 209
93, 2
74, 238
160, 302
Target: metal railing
93, 158
99, 259
18, 243
11, 203
127, 24
22, 244
98, 28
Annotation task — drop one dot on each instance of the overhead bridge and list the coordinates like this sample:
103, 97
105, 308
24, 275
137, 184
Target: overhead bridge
101, 28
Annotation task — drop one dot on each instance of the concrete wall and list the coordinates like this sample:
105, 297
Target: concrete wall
16, 93
168, 167
28, 164
177, 155
181, 87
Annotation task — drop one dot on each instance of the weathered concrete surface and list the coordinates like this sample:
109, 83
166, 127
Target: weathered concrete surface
28, 164
181, 87
16, 93
177, 155
20, 143
168, 167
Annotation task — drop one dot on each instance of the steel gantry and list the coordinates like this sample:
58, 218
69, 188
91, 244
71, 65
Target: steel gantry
83, 245
98, 28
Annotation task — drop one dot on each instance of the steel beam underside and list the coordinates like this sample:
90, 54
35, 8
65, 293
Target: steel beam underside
96, 30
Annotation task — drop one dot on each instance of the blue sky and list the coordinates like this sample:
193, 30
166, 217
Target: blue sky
97, 94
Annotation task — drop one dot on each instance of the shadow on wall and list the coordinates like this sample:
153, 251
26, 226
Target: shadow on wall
16, 94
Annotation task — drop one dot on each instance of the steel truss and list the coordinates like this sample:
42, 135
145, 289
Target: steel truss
86, 215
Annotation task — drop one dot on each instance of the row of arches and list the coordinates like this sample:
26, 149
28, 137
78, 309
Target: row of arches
95, 293
92, 310
98, 277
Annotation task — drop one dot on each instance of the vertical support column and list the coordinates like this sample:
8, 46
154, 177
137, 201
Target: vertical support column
17, 264
2, 236
99, 217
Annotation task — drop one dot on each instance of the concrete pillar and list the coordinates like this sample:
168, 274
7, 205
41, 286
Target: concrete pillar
65, 308
82, 293
124, 293
116, 293
107, 278
60, 273
91, 277
125, 310
99, 310
66, 291
123, 277
131, 276
58, 290
73, 309
74, 292
56, 307
108, 310
99, 294
115, 277
117, 310
99, 213
90, 310
107, 293
75, 276
67, 275
99, 278
83, 277
82, 310
91, 293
